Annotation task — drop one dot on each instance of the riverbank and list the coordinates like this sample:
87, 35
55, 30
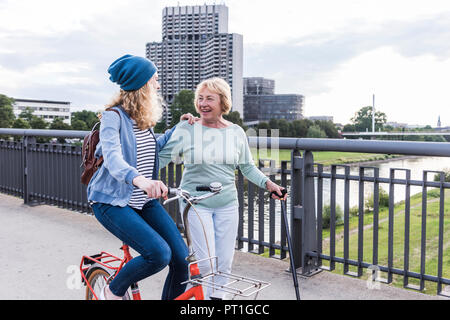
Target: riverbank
327, 158
386, 160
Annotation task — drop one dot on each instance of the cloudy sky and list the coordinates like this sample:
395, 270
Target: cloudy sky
336, 53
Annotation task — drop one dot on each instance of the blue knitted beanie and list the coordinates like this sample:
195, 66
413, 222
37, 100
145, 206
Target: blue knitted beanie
131, 72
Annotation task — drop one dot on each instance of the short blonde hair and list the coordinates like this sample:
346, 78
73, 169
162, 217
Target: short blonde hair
220, 87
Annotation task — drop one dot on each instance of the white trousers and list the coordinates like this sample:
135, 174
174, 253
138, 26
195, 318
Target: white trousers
213, 232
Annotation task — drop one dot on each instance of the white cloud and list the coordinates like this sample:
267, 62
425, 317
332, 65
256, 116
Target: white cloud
412, 90
323, 49
269, 22
50, 17
44, 74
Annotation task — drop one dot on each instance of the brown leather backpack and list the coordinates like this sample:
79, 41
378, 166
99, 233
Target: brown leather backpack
90, 162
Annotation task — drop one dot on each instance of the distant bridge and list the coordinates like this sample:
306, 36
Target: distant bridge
396, 133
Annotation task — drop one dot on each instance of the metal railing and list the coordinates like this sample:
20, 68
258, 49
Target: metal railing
49, 173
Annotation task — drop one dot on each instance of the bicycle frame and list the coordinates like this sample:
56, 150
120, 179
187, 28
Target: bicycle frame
105, 259
195, 292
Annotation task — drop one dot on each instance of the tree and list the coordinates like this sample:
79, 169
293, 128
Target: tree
160, 127
88, 117
27, 114
285, 128
328, 127
59, 124
80, 125
6, 111
38, 123
349, 128
316, 132
235, 117
182, 103
20, 123
282, 125
263, 125
363, 119
300, 128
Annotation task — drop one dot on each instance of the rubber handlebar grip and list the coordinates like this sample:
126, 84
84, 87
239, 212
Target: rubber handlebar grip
283, 193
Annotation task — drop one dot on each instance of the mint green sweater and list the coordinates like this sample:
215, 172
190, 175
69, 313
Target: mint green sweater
211, 155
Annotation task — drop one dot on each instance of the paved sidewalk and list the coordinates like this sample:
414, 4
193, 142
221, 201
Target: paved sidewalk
42, 247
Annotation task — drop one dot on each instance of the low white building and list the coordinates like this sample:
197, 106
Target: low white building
48, 110
321, 118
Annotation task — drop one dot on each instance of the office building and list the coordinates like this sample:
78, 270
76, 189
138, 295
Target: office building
196, 46
258, 86
262, 104
45, 109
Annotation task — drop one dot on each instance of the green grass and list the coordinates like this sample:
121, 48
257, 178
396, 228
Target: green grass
432, 234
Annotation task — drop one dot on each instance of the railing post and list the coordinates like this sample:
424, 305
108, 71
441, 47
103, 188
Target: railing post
309, 223
303, 211
26, 141
296, 207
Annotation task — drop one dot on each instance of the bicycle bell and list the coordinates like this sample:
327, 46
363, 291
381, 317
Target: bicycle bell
215, 186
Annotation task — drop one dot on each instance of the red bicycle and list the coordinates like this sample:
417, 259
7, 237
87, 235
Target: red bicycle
98, 270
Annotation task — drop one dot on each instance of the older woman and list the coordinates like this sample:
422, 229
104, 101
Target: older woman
212, 149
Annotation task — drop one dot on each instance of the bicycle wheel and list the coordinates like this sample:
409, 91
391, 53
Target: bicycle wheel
97, 279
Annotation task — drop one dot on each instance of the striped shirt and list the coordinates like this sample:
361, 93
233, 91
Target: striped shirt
146, 150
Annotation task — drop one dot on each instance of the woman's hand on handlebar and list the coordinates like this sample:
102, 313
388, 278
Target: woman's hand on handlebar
154, 188
273, 187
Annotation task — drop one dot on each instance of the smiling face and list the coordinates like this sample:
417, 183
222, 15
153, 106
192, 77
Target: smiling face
209, 105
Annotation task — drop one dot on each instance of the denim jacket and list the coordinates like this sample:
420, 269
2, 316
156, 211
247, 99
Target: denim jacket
112, 183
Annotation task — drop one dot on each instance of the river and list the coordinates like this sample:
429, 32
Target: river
416, 165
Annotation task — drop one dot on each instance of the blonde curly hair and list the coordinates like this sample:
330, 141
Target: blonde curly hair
142, 105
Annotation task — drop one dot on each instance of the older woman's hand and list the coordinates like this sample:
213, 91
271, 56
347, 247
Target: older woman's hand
190, 118
273, 187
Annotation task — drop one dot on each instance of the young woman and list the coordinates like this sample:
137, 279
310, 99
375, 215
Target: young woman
124, 191
212, 149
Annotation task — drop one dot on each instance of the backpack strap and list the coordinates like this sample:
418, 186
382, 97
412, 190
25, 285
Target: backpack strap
99, 161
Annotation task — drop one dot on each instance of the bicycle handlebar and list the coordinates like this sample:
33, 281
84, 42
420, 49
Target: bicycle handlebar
213, 189
203, 188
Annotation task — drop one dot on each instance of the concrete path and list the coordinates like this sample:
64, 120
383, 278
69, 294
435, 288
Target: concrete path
42, 248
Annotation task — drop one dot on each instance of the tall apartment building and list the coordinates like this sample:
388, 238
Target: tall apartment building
262, 104
196, 46
45, 109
